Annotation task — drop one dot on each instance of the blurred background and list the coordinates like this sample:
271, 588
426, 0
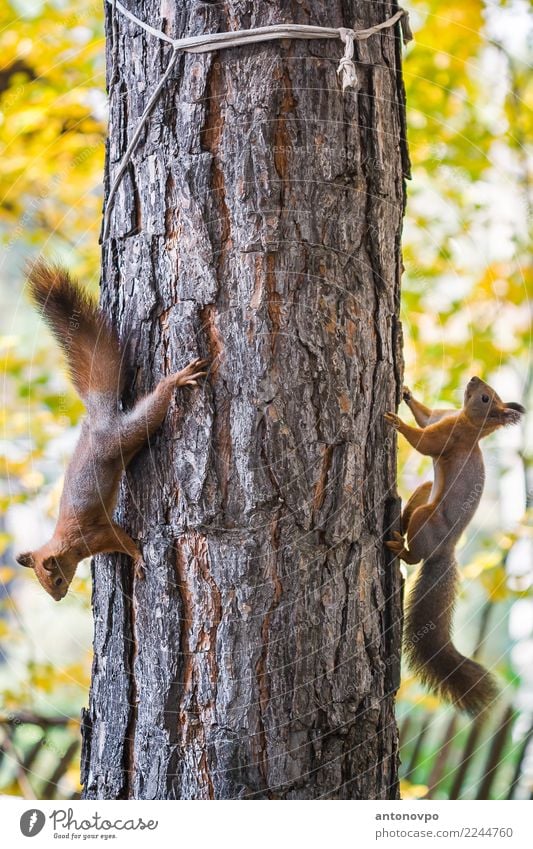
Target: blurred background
465, 312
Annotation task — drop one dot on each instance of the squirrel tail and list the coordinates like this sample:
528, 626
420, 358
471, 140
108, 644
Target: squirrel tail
90, 344
427, 639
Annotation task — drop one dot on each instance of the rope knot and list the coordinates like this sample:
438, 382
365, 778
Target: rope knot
346, 69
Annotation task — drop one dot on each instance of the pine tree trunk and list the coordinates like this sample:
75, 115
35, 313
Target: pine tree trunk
258, 225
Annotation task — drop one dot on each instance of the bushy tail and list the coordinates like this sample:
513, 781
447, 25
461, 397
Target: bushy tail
427, 639
90, 344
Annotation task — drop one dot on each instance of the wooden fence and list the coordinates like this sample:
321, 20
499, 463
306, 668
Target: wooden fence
444, 756
39, 756
448, 756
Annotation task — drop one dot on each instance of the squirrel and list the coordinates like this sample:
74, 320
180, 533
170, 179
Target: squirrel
432, 521
110, 437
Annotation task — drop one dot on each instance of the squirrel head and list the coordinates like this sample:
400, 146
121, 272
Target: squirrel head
54, 571
485, 409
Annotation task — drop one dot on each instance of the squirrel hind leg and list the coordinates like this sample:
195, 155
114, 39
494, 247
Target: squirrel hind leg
399, 549
427, 533
140, 423
397, 545
419, 497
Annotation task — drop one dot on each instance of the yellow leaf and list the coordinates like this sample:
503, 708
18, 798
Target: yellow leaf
5, 539
412, 791
7, 573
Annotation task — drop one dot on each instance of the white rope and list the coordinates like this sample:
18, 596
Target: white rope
346, 70
133, 142
218, 40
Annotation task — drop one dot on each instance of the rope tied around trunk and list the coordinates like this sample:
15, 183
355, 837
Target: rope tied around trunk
208, 42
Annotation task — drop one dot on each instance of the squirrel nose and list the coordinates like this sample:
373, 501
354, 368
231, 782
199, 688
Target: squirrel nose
474, 379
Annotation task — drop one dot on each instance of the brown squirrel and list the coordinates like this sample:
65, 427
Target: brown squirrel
433, 520
109, 437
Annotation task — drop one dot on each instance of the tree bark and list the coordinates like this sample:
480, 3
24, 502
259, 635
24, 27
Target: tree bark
258, 225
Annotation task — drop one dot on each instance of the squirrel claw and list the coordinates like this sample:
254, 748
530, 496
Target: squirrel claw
406, 394
392, 419
190, 374
198, 363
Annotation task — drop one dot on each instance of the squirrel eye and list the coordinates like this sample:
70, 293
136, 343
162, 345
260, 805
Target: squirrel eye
58, 582
485, 399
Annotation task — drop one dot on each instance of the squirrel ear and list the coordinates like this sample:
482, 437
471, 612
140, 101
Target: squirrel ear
26, 559
49, 564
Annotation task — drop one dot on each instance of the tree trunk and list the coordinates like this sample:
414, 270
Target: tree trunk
258, 225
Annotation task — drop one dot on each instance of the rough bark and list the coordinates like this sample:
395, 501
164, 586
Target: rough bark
258, 225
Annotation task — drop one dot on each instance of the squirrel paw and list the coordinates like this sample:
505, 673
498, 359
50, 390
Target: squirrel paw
396, 545
393, 420
189, 375
406, 394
